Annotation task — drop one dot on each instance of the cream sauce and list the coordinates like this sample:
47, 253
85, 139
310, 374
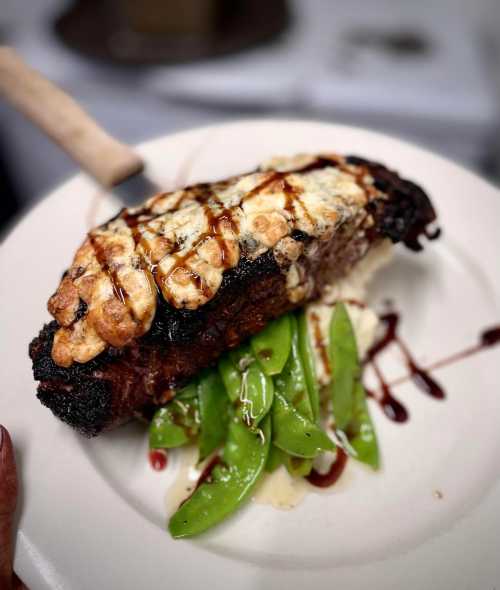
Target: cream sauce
280, 490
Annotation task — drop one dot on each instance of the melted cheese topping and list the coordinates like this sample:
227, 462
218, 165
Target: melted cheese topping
179, 244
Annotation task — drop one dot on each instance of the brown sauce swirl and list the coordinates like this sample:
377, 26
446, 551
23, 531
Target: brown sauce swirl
205, 475
325, 480
418, 374
319, 342
151, 270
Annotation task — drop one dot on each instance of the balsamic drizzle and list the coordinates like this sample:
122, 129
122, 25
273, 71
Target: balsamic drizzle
320, 345
118, 290
205, 475
158, 459
392, 408
487, 338
205, 195
420, 376
325, 480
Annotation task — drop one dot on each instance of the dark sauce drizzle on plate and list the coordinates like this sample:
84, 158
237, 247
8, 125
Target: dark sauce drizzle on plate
158, 459
325, 480
420, 376
205, 475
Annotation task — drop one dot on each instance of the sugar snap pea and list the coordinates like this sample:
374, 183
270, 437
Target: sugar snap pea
256, 394
291, 382
298, 466
275, 458
231, 377
272, 345
346, 370
307, 357
361, 433
348, 394
245, 380
296, 434
175, 424
188, 392
244, 458
214, 404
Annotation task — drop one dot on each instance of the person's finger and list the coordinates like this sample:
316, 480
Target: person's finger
8, 500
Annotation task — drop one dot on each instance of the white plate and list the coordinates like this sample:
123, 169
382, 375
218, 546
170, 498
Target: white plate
92, 512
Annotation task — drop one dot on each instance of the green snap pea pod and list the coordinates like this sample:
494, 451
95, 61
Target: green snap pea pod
256, 394
242, 357
255, 387
294, 385
275, 458
231, 377
346, 370
296, 434
245, 455
361, 433
175, 424
214, 405
291, 382
296, 466
307, 357
188, 392
272, 346
351, 412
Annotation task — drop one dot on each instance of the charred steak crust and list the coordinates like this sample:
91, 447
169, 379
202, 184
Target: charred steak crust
109, 389
409, 211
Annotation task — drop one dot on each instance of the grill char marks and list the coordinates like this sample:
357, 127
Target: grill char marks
120, 382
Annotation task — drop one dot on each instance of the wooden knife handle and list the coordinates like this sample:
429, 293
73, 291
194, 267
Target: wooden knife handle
65, 122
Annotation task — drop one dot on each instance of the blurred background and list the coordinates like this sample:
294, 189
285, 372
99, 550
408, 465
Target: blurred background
427, 71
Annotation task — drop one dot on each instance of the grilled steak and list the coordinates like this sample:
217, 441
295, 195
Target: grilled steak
161, 291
